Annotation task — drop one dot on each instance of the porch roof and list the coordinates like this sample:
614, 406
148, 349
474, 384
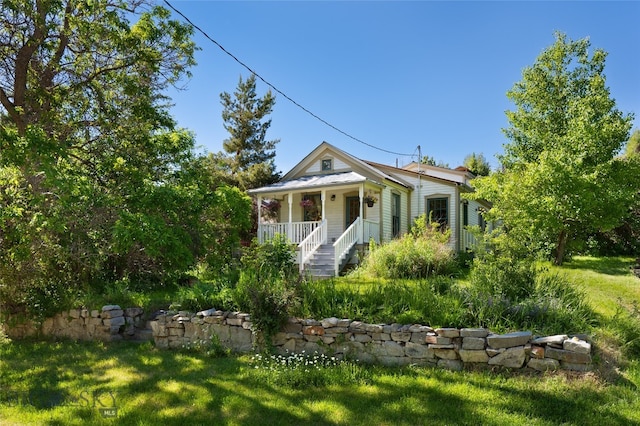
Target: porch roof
312, 182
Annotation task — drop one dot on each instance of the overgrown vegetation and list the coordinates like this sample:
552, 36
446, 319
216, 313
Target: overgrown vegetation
267, 286
420, 254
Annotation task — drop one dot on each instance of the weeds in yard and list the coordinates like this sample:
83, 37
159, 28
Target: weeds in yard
302, 370
210, 347
422, 253
626, 326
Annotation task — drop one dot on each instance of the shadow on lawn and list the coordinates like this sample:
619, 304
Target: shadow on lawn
153, 387
617, 266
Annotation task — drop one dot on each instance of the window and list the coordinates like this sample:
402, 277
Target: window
438, 211
481, 222
395, 214
311, 207
465, 213
326, 165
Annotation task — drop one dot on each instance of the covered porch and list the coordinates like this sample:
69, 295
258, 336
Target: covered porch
334, 211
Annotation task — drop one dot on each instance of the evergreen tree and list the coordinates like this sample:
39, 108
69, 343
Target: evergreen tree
477, 164
250, 157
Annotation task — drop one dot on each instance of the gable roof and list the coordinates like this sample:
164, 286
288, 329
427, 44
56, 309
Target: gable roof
414, 173
359, 166
311, 181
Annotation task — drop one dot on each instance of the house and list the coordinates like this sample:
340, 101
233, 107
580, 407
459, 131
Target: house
331, 203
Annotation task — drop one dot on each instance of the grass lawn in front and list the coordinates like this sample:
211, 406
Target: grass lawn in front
67, 383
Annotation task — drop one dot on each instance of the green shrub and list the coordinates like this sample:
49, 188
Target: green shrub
267, 285
503, 277
205, 295
421, 254
508, 294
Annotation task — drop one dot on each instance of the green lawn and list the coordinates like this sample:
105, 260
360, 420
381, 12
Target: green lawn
61, 383
607, 281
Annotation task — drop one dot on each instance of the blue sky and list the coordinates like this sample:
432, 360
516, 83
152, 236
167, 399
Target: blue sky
392, 74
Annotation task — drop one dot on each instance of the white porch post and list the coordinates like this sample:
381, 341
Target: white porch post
361, 213
290, 199
260, 238
323, 196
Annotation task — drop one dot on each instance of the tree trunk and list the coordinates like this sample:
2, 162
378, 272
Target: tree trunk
561, 247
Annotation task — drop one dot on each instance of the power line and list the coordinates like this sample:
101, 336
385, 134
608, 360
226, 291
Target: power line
278, 90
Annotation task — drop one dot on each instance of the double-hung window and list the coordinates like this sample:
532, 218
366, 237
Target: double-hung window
438, 211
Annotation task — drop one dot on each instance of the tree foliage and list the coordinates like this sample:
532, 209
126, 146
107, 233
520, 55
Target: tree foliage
431, 161
249, 156
96, 182
477, 164
561, 178
633, 144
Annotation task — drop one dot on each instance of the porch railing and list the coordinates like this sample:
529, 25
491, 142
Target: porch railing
371, 230
345, 242
468, 240
309, 245
296, 232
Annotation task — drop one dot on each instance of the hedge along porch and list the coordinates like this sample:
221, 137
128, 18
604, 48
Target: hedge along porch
331, 203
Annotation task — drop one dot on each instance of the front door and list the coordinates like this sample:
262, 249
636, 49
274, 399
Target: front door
353, 210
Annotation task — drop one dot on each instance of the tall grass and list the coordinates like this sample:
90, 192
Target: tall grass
402, 301
420, 254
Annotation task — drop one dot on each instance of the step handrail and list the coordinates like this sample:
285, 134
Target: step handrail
343, 244
309, 245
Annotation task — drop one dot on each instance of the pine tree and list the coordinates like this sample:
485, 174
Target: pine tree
250, 156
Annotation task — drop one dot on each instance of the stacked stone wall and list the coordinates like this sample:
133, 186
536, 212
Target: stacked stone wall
386, 344
111, 323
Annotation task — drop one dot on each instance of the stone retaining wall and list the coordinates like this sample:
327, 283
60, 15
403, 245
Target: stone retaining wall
111, 323
387, 344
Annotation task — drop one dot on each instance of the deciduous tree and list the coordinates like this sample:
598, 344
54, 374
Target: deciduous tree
562, 178
95, 179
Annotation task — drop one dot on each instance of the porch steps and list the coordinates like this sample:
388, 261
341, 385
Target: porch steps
321, 264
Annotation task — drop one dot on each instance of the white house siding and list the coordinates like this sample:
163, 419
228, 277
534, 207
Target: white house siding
427, 188
387, 217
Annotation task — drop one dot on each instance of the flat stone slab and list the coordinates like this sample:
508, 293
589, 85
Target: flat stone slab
110, 308
544, 364
473, 343
473, 356
576, 345
509, 340
554, 340
511, 358
448, 332
474, 332
568, 356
